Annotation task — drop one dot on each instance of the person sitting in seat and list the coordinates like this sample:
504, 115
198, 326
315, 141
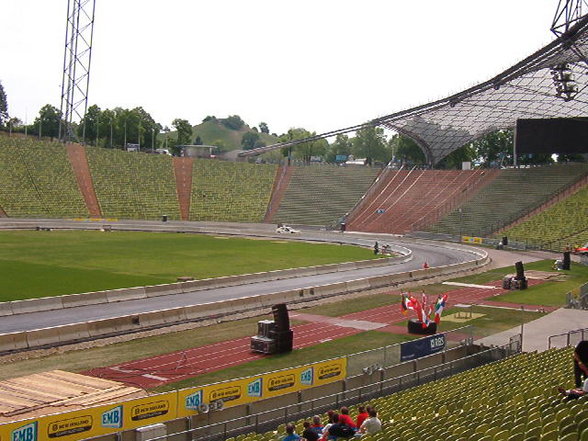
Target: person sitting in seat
308, 434
317, 425
362, 415
372, 424
338, 430
290, 435
580, 362
574, 394
344, 418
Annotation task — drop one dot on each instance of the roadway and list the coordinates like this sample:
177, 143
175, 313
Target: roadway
435, 254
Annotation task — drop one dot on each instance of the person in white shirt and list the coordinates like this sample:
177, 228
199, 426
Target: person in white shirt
372, 424
573, 394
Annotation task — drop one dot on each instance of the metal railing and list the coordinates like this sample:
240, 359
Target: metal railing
578, 299
571, 338
271, 419
387, 356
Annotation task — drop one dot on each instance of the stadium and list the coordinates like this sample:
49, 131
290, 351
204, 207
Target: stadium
159, 297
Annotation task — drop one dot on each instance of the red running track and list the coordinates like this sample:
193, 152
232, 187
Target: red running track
155, 371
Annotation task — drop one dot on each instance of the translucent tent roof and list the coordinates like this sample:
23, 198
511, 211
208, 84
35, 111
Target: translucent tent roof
530, 89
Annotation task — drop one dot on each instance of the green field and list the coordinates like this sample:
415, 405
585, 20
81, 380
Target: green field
545, 294
40, 263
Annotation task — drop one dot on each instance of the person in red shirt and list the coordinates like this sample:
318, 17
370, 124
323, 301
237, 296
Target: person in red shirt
344, 418
363, 414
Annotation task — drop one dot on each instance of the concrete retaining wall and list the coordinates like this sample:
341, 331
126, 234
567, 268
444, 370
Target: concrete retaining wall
141, 292
154, 319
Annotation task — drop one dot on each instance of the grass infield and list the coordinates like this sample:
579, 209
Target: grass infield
41, 263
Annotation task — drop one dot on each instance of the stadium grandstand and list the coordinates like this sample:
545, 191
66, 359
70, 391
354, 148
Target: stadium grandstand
46, 180
471, 391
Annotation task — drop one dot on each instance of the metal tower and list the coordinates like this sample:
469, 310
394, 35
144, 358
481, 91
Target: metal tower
76, 65
567, 14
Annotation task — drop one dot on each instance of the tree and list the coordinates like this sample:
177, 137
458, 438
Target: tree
233, 122
106, 126
47, 123
3, 106
342, 146
495, 148
370, 143
88, 128
183, 133
406, 150
307, 150
198, 140
455, 159
249, 140
263, 128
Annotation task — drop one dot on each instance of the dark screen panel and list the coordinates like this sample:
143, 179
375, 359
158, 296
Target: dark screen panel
557, 135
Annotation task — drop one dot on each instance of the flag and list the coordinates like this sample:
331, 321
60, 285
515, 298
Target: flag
441, 300
403, 307
426, 311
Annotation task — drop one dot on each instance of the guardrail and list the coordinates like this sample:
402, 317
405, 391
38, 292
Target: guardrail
142, 292
268, 420
571, 338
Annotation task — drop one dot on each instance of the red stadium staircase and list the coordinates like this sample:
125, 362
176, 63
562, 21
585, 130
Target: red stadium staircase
401, 201
79, 162
281, 182
183, 174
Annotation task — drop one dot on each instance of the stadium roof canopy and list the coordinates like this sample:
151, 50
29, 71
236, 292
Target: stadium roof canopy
551, 83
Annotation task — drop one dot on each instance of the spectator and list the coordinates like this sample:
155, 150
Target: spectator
581, 362
331, 414
574, 394
290, 435
361, 416
344, 418
376, 248
372, 424
338, 430
309, 434
317, 425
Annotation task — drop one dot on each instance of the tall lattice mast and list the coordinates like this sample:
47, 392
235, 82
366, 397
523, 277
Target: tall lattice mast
76, 65
567, 14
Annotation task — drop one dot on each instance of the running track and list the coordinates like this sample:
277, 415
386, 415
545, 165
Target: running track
167, 368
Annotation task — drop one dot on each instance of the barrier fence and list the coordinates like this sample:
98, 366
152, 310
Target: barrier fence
269, 420
578, 298
387, 356
571, 338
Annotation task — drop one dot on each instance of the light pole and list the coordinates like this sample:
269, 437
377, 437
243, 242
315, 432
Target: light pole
460, 222
153, 140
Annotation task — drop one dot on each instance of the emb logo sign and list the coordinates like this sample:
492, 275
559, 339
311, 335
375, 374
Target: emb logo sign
254, 389
193, 401
25, 433
113, 418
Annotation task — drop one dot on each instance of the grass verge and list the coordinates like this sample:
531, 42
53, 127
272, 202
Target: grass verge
40, 263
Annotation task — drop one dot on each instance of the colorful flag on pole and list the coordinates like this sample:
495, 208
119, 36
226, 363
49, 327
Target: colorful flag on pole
441, 300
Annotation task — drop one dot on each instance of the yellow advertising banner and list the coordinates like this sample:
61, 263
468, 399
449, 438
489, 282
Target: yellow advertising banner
226, 394
471, 239
150, 410
94, 421
247, 390
327, 372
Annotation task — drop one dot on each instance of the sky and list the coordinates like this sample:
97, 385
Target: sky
317, 64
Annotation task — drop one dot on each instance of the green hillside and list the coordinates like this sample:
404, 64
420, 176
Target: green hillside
213, 132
